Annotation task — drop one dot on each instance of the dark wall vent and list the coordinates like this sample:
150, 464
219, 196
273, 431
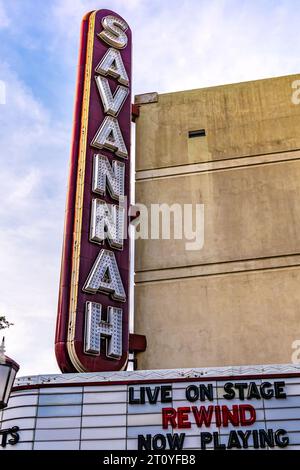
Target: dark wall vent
198, 133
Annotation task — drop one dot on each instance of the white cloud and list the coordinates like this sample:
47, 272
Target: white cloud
67, 16
4, 20
34, 153
179, 45
208, 43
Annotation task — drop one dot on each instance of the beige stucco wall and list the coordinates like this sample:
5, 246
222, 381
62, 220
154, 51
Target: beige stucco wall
236, 300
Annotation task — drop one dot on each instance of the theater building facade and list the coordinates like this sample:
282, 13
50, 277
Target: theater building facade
175, 343
235, 149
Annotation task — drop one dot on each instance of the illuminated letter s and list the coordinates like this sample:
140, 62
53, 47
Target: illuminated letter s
114, 32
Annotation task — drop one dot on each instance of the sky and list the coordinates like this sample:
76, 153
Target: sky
177, 45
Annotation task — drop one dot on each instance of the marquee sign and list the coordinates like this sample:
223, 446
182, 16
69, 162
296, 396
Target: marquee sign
201, 411
250, 407
92, 328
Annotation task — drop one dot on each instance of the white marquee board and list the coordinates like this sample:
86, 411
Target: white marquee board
93, 411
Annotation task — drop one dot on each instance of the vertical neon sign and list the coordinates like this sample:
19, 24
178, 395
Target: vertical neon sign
92, 331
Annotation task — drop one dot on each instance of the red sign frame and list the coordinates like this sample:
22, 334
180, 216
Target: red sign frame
79, 253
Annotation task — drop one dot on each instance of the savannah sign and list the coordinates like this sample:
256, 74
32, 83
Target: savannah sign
92, 327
